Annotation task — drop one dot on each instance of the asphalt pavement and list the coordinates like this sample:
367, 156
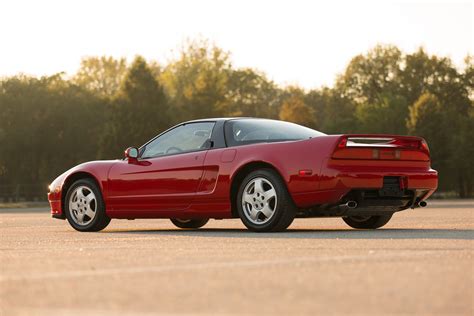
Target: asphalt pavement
420, 263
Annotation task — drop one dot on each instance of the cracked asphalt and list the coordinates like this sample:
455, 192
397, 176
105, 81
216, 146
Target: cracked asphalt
420, 263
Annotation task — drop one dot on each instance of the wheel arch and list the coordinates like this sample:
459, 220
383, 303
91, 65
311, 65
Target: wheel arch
70, 180
241, 173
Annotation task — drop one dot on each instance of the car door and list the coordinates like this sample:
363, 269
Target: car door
167, 174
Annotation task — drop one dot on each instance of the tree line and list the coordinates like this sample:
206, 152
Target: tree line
49, 124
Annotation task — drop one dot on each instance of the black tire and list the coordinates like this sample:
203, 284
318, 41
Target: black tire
284, 210
189, 223
100, 220
371, 222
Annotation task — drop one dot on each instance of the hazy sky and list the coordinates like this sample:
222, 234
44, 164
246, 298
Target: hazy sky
293, 42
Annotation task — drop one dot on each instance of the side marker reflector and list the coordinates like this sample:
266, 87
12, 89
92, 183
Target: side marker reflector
305, 173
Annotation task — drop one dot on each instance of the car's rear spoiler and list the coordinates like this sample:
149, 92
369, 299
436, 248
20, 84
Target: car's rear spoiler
381, 146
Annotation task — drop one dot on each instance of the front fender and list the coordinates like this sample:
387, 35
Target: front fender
98, 170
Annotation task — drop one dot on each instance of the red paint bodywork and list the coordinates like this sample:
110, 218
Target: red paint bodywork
198, 184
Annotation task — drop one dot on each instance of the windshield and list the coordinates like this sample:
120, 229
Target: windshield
249, 131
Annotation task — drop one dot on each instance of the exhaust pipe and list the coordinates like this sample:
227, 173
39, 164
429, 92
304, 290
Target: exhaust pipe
351, 204
422, 204
341, 209
348, 205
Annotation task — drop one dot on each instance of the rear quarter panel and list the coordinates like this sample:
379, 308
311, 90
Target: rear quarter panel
289, 158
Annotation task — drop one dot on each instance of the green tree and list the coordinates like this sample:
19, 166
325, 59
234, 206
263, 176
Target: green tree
368, 77
51, 126
468, 77
251, 94
197, 82
336, 113
139, 111
102, 75
465, 153
438, 76
387, 115
294, 109
428, 119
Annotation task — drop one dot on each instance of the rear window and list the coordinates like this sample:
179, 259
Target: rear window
250, 131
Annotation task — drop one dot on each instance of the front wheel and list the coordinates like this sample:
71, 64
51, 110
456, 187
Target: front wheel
367, 222
263, 202
85, 209
189, 223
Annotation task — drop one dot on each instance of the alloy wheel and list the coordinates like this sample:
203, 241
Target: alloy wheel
83, 205
259, 201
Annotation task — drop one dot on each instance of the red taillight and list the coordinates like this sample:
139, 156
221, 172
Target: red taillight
342, 143
406, 143
424, 146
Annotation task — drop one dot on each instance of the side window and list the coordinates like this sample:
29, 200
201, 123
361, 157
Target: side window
182, 139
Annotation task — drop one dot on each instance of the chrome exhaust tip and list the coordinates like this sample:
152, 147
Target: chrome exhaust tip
342, 208
351, 204
422, 204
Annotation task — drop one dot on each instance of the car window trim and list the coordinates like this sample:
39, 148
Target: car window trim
142, 148
174, 154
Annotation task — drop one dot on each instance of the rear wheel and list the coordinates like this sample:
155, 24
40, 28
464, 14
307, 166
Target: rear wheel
84, 207
367, 222
263, 202
189, 223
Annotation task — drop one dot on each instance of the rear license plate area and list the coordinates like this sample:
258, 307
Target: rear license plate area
392, 187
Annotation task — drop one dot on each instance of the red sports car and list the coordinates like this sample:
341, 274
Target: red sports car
266, 172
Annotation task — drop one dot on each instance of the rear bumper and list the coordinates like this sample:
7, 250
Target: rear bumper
333, 188
374, 180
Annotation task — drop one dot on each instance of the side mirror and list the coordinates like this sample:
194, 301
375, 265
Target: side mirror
131, 153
